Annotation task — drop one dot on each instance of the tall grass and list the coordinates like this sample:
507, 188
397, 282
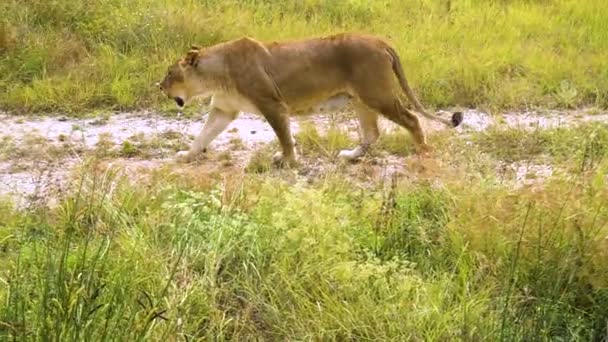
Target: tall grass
75, 56
256, 258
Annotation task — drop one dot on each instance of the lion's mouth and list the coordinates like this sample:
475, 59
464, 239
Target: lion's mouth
179, 101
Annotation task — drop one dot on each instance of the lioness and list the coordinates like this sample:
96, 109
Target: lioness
277, 79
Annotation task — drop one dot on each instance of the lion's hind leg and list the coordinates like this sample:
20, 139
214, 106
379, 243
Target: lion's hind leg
368, 125
381, 97
393, 109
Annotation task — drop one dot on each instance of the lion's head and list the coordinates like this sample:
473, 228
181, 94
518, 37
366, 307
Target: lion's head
192, 76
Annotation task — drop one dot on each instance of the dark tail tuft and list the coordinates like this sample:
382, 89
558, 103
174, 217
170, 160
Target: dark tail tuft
457, 118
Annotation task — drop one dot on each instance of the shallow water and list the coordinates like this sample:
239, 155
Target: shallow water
250, 129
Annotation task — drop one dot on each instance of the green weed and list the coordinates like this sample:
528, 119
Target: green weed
328, 144
253, 256
577, 146
107, 54
261, 259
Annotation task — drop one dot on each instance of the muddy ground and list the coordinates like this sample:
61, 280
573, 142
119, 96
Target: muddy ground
39, 153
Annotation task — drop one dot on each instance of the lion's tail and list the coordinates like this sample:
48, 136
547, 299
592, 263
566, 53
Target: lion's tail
398, 70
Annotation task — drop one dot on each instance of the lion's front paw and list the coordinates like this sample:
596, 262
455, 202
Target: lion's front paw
425, 150
183, 157
281, 160
351, 155
347, 155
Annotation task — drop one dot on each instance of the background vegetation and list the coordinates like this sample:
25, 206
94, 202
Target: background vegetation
60, 55
454, 252
259, 255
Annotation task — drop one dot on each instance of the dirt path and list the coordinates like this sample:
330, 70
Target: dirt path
38, 153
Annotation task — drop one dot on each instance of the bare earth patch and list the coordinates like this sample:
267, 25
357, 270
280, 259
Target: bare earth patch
40, 152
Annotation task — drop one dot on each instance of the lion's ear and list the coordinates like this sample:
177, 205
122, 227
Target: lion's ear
192, 58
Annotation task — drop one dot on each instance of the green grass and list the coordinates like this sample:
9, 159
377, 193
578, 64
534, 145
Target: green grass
253, 257
107, 54
587, 143
448, 252
326, 144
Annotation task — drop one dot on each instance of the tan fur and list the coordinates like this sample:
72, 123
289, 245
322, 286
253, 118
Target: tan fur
291, 78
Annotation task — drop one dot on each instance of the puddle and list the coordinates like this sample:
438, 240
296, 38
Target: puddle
534, 120
250, 131
529, 173
36, 184
121, 127
480, 121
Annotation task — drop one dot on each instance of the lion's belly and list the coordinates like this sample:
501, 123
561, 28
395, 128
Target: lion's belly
237, 103
332, 103
312, 85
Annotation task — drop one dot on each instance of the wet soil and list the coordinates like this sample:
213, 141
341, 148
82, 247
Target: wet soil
50, 147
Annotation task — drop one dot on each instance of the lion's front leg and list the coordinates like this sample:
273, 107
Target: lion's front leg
281, 127
217, 122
